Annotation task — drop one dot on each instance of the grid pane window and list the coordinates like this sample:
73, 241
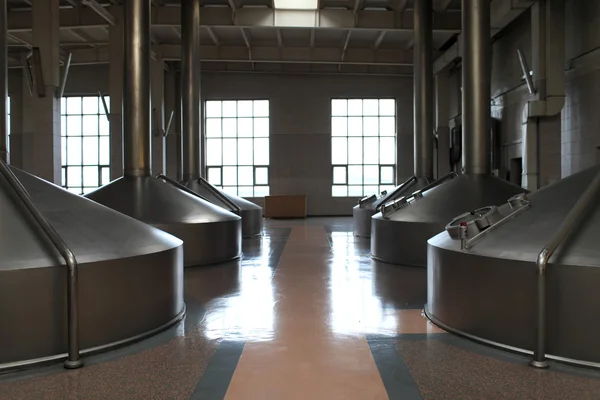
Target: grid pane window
85, 143
237, 146
363, 146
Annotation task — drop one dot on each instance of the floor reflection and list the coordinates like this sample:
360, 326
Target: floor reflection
355, 306
239, 300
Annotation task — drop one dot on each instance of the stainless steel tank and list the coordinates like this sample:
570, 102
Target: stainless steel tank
401, 230
210, 233
190, 139
368, 206
252, 214
487, 290
120, 261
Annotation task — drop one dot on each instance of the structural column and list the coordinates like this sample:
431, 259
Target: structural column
157, 72
423, 89
442, 122
42, 144
171, 139
190, 88
476, 81
137, 143
16, 91
115, 81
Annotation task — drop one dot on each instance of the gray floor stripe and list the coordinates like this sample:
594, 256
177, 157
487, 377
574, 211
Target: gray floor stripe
215, 381
396, 377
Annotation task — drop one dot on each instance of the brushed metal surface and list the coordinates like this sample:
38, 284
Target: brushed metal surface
190, 88
476, 87
362, 214
210, 233
121, 260
401, 238
137, 150
252, 214
423, 88
489, 290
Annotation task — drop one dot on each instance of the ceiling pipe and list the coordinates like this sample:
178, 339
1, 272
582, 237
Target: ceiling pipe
136, 89
477, 83
3, 84
423, 89
190, 88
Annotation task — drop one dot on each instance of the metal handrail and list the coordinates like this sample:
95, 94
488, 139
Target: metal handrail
400, 188
26, 204
367, 199
397, 204
232, 206
470, 242
571, 220
180, 186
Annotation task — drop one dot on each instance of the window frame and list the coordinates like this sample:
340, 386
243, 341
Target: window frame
336, 187
102, 131
258, 190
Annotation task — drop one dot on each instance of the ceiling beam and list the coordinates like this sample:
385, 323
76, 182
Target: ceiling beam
221, 17
379, 39
101, 11
441, 5
400, 5
285, 55
213, 35
279, 37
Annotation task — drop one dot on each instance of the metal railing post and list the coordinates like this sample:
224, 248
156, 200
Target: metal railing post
567, 226
26, 204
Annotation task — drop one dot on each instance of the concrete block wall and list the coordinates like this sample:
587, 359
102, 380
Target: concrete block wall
300, 127
300, 122
580, 116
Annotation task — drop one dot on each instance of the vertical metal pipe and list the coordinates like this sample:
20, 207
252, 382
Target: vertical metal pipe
3, 84
178, 130
423, 89
190, 88
136, 89
476, 81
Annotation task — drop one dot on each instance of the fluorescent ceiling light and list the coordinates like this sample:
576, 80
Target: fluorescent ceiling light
296, 4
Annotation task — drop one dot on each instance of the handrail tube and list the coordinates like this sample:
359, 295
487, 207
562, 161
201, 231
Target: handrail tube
392, 195
571, 220
469, 243
432, 185
180, 186
73, 360
234, 207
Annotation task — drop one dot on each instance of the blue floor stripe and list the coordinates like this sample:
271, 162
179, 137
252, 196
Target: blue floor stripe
218, 374
396, 377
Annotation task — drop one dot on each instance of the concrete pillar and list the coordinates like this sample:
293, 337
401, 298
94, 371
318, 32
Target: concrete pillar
42, 144
157, 87
115, 79
442, 123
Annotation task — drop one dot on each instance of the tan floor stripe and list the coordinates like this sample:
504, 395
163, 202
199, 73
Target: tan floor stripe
306, 358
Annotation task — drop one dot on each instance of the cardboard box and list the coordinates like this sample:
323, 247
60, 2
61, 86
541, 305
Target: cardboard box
285, 206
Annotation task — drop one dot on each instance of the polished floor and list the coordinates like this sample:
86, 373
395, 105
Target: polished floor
306, 314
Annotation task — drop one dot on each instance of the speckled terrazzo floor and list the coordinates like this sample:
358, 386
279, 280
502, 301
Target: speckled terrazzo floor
456, 369
306, 314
